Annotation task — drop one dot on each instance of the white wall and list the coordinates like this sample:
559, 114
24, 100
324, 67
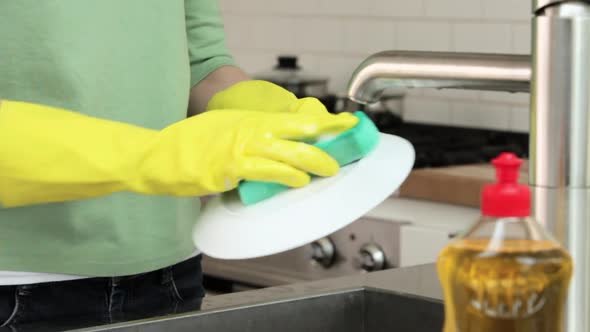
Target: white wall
332, 37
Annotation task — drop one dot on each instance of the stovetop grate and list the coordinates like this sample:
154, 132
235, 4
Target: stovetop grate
438, 145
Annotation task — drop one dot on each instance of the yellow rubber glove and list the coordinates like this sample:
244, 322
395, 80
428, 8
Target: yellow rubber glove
263, 96
53, 155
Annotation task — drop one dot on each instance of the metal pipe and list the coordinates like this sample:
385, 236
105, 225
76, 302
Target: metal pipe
560, 139
390, 69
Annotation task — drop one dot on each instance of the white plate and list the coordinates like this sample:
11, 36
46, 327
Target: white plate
227, 229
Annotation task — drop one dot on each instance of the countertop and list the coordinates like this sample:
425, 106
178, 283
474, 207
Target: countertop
419, 281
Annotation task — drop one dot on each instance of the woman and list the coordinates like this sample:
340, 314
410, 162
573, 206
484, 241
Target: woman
100, 168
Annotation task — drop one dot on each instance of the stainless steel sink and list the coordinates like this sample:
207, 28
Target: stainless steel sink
396, 300
364, 310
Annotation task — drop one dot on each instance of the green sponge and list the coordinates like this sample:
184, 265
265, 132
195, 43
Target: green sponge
346, 148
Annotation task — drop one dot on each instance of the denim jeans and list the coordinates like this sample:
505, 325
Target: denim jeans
59, 306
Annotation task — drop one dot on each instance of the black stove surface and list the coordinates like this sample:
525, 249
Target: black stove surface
439, 146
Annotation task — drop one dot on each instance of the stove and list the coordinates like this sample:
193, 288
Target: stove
398, 233
439, 146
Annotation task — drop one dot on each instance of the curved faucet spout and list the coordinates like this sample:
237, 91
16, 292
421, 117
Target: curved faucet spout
412, 69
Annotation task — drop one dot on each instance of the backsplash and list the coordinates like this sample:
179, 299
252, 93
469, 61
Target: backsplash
331, 37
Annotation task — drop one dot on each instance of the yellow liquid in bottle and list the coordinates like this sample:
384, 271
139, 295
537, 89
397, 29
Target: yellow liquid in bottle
521, 286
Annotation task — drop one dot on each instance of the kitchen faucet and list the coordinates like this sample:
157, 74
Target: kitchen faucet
558, 78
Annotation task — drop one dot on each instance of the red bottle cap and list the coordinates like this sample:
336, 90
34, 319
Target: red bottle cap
506, 198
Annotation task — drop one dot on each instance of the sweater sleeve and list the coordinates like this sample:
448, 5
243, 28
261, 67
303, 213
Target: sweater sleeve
206, 38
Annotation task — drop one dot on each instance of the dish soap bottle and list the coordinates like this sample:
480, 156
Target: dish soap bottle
505, 274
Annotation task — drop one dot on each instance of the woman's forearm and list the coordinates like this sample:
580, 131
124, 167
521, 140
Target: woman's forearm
218, 80
53, 155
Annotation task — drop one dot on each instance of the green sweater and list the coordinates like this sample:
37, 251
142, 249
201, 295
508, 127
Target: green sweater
132, 61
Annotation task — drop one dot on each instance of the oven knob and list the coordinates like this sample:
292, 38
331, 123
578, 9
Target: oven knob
323, 252
372, 258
